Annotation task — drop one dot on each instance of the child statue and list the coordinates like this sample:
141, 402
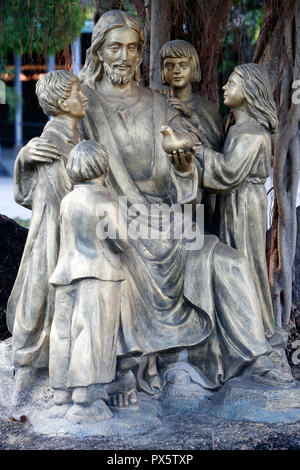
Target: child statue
239, 174
179, 69
41, 182
87, 278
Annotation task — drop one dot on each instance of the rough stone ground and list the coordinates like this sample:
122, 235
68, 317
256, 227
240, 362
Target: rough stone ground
294, 335
184, 432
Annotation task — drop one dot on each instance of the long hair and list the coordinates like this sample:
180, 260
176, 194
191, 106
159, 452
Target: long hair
180, 48
93, 67
258, 94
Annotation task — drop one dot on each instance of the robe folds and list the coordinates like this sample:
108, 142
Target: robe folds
172, 297
30, 308
88, 277
238, 175
206, 121
207, 125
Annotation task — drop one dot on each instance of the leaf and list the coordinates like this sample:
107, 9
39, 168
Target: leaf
39, 26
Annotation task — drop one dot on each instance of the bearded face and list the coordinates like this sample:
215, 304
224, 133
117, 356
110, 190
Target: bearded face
120, 55
120, 72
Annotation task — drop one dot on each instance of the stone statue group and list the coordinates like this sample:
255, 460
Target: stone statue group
110, 313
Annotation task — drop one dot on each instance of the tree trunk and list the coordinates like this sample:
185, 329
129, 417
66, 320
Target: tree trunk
147, 35
19, 112
278, 49
76, 56
160, 34
102, 6
51, 63
220, 17
205, 27
143, 8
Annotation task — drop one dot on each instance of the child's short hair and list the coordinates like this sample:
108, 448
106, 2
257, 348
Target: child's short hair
86, 161
180, 48
52, 87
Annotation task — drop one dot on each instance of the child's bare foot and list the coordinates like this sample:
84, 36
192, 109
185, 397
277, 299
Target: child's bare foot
122, 391
61, 397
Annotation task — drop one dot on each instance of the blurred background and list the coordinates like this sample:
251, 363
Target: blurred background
40, 35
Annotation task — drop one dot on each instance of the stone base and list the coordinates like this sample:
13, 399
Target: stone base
47, 418
240, 399
124, 422
246, 400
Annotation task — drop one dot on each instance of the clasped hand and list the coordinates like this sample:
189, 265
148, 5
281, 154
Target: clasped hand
181, 106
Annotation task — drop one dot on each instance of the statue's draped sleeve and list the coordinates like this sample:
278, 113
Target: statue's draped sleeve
227, 171
185, 183
238, 175
24, 179
39, 187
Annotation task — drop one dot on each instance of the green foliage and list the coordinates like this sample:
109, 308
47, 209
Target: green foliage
242, 34
127, 5
253, 22
39, 26
11, 97
12, 101
89, 11
22, 222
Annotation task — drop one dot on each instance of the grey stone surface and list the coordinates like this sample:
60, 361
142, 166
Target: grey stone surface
128, 422
6, 374
297, 262
239, 400
46, 418
248, 401
188, 431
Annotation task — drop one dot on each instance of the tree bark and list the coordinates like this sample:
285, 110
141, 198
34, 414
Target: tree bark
210, 84
143, 8
278, 49
147, 35
160, 34
204, 26
102, 6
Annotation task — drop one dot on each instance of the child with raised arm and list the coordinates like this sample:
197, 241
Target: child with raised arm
88, 276
179, 70
239, 174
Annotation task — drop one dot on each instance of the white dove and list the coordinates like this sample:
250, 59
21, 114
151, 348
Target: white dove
177, 140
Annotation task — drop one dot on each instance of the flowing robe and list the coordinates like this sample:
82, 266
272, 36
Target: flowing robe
172, 298
30, 308
88, 276
206, 124
239, 175
206, 121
